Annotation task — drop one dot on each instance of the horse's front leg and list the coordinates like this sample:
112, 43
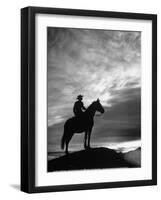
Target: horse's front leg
85, 139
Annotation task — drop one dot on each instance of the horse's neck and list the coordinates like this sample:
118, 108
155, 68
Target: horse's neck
90, 111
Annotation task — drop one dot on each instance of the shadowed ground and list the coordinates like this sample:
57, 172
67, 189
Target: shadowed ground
95, 158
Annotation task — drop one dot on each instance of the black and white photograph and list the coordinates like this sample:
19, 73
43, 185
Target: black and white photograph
89, 99
93, 99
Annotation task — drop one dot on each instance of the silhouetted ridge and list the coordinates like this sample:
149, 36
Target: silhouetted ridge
95, 158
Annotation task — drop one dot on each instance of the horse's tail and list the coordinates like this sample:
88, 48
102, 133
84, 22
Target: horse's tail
67, 135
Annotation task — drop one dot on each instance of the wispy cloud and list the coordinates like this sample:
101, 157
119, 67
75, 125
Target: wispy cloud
96, 63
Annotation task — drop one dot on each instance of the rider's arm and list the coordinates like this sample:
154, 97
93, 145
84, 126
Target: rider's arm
83, 107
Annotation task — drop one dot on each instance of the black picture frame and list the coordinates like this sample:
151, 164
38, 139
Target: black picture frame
28, 98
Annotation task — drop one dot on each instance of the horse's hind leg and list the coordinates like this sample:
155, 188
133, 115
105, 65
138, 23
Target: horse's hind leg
85, 140
66, 147
89, 137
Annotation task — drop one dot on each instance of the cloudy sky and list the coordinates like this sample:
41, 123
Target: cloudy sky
100, 64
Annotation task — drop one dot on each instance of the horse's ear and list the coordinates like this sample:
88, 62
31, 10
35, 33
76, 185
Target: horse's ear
98, 100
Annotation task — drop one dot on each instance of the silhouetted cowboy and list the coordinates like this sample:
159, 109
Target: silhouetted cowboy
78, 106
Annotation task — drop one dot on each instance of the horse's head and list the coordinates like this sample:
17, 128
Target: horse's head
98, 106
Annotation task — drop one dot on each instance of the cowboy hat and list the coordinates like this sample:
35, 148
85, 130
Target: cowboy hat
80, 96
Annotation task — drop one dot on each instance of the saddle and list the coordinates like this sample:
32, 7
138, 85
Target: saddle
79, 118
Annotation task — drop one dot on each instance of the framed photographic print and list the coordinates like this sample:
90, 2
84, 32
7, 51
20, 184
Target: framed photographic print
88, 99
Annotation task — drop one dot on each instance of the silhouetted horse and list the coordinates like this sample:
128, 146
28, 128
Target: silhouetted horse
81, 124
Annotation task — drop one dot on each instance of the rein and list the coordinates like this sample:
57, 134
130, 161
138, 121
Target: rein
88, 111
